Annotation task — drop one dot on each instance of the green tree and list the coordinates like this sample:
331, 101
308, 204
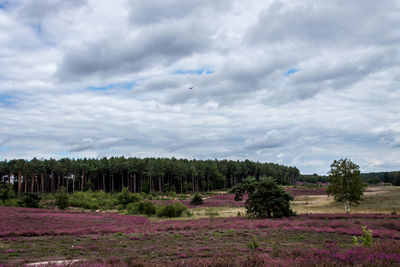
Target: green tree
62, 198
265, 198
345, 183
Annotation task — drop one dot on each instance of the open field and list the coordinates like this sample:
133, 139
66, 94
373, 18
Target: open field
213, 236
379, 199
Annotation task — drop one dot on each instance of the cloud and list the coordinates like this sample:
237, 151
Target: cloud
156, 47
90, 144
271, 139
294, 82
150, 12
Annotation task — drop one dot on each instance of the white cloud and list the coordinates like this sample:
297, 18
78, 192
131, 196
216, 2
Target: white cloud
342, 101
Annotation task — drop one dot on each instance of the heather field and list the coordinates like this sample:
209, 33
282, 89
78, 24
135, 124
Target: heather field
106, 238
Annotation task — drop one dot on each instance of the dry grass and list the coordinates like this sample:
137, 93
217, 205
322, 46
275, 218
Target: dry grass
379, 199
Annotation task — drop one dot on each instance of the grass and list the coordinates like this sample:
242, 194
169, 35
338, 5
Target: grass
379, 199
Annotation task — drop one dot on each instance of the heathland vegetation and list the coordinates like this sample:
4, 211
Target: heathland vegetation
143, 217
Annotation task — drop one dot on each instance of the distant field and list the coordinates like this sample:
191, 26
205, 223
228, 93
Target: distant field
379, 199
213, 236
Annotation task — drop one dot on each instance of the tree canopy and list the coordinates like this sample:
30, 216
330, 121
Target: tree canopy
345, 183
265, 198
137, 174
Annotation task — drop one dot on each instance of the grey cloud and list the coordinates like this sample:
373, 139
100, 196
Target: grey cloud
155, 47
36, 11
149, 12
89, 143
329, 24
271, 139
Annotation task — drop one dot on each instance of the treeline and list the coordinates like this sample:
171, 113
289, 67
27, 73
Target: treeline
384, 177
139, 175
312, 178
370, 178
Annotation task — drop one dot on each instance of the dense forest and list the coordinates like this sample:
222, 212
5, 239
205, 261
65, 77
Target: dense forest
139, 175
371, 178
384, 177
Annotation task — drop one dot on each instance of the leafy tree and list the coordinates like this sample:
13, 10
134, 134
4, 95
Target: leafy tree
126, 197
6, 192
265, 198
62, 198
346, 184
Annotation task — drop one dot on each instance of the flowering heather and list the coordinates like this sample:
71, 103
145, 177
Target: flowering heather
34, 235
32, 222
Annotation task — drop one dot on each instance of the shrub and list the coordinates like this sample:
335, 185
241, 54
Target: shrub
365, 239
196, 200
29, 200
171, 210
142, 207
62, 198
126, 197
253, 244
6, 193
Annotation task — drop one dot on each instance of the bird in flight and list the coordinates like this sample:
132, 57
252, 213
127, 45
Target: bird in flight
191, 87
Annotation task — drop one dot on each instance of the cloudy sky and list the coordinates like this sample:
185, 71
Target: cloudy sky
294, 82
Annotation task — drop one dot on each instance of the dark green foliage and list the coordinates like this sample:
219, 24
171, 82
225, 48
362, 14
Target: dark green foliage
89, 186
346, 184
196, 200
62, 198
141, 175
142, 207
126, 197
6, 193
30, 200
265, 198
171, 210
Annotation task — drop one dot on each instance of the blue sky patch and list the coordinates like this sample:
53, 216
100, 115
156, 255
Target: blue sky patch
4, 148
194, 72
3, 4
290, 72
124, 86
5, 99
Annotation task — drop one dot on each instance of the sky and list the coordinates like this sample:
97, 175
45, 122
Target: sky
293, 82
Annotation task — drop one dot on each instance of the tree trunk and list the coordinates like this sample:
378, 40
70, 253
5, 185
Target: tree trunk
83, 180
193, 182
52, 181
37, 184
134, 183
58, 180
25, 183
32, 182
112, 182
104, 182
347, 206
19, 183
42, 182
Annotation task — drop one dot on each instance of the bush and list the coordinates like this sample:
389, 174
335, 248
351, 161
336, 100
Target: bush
171, 210
142, 207
62, 198
365, 239
29, 200
265, 198
196, 200
126, 197
6, 193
